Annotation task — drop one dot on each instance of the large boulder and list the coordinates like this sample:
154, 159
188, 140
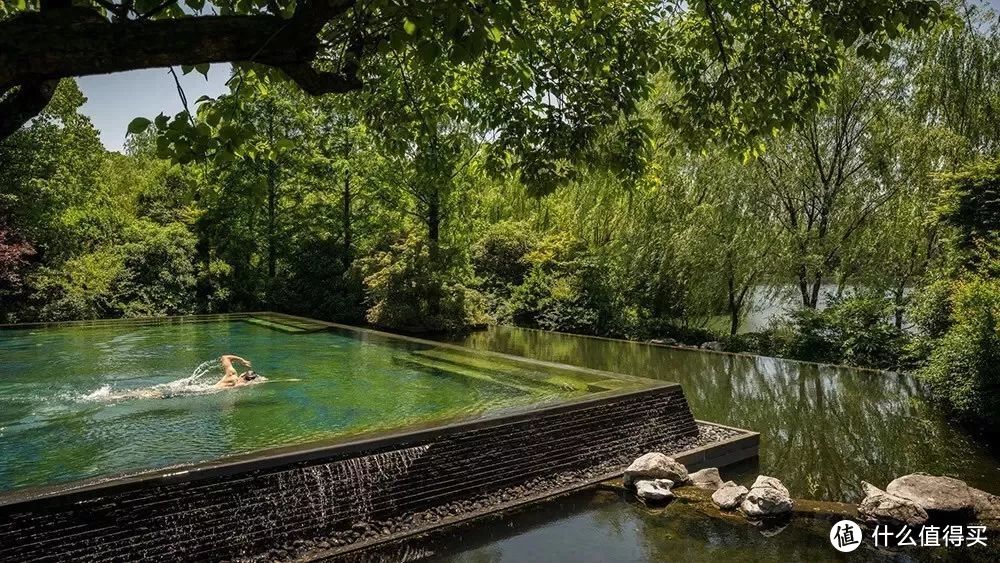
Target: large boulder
729, 496
655, 491
933, 493
880, 506
655, 465
987, 506
768, 497
706, 479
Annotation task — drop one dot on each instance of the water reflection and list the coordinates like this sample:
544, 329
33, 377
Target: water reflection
599, 527
823, 428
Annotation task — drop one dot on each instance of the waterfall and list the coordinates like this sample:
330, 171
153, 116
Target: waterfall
360, 475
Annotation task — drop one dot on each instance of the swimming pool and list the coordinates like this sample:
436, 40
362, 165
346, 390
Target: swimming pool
89, 402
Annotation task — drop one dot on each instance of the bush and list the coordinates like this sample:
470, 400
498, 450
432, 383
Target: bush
500, 257
317, 285
159, 275
565, 290
963, 371
646, 329
410, 290
856, 331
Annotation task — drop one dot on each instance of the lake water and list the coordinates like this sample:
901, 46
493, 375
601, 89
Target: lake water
81, 402
823, 429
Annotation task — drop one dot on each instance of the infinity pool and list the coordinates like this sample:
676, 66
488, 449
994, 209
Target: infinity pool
84, 402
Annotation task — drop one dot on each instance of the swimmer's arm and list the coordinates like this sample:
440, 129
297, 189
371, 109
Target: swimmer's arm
229, 358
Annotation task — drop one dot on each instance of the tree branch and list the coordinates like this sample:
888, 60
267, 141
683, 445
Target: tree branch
36, 48
18, 107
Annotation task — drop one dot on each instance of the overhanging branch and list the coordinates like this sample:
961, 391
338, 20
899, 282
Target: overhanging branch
38, 48
24, 103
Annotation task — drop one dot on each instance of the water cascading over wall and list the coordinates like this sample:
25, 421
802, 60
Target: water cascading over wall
348, 493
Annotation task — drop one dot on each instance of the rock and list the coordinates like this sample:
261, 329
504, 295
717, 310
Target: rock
654, 491
767, 498
664, 341
985, 505
655, 465
933, 493
706, 479
713, 345
729, 495
880, 506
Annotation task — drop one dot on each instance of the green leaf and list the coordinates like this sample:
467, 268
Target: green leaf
409, 26
138, 125
202, 69
495, 34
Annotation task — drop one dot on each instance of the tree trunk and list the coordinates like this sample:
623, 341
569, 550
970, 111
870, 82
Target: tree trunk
348, 233
804, 288
898, 302
272, 201
434, 220
272, 205
814, 295
734, 309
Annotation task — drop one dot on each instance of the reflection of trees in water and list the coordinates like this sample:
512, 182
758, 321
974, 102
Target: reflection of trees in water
823, 428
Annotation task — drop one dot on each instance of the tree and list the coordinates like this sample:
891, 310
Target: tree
821, 187
723, 52
730, 237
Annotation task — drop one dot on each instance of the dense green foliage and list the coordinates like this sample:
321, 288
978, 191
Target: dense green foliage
959, 312
429, 203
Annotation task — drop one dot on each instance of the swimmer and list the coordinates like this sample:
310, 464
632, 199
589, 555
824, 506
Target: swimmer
231, 378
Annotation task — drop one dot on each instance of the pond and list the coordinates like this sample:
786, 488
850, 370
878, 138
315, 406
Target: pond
823, 428
83, 402
598, 527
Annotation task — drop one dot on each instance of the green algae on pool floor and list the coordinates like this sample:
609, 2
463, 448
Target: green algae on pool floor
823, 428
80, 402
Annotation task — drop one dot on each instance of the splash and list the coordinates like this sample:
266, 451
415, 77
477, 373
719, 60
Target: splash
200, 382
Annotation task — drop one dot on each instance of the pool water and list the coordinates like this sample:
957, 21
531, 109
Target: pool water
83, 402
823, 429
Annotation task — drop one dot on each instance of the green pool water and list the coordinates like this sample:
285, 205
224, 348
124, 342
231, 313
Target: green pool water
83, 402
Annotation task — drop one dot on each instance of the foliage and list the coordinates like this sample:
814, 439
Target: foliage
856, 330
747, 69
959, 306
963, 371
410, 289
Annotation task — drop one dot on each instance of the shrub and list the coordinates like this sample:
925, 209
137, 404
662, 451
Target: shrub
963, 371
500, 257
565, 290
856, 330
410, 290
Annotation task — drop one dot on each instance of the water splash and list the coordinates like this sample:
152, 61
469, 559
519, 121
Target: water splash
200, 382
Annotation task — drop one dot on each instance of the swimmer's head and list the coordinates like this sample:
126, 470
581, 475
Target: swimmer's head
249, 375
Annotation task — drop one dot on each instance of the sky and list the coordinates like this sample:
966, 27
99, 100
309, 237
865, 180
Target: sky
113, 100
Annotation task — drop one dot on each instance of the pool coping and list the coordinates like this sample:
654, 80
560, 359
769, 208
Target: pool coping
292, 455
721, 453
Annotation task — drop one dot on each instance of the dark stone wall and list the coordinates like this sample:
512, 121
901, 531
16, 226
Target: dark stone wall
248, 512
